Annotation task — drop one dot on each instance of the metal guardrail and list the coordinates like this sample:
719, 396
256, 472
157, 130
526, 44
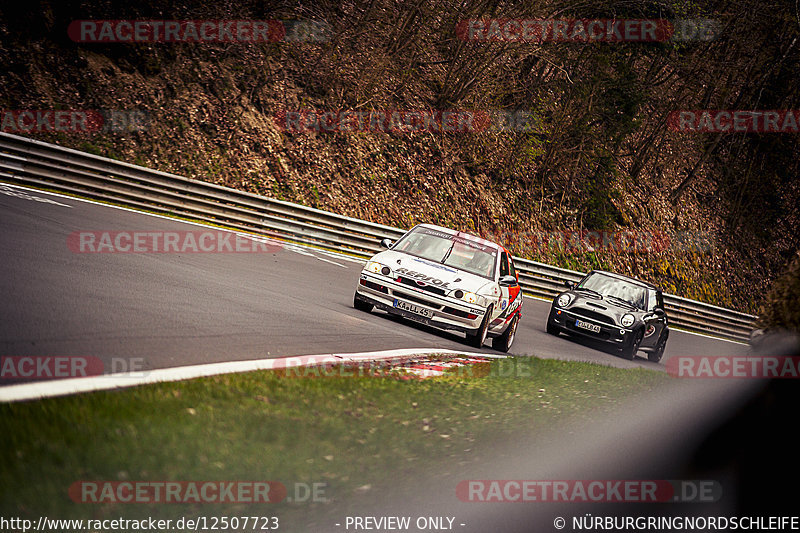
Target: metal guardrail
35, 163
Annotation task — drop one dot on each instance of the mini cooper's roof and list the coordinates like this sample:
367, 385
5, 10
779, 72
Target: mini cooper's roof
626, 278
462, 234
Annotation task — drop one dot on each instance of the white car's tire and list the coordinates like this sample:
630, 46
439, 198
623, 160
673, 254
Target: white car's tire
361, 305
503, 342
478, 337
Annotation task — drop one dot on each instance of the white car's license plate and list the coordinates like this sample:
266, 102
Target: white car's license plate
585, 325
421, 311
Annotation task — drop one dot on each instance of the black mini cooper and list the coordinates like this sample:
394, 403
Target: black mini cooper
615, 309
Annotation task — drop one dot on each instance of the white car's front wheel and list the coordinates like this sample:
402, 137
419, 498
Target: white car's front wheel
361, 305
478, 337
503, 342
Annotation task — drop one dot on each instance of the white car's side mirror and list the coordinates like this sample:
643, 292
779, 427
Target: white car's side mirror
507, 281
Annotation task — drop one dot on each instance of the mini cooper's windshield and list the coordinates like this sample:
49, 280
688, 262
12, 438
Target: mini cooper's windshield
457, 251
615, 289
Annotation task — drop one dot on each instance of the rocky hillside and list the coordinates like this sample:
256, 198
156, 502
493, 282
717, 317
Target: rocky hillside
598, 155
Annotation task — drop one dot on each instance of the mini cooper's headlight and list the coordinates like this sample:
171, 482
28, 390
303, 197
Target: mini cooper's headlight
564, 300
627, 319
377, 268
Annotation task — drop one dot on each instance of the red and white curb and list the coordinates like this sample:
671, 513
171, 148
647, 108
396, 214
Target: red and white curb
425, 368
412, 360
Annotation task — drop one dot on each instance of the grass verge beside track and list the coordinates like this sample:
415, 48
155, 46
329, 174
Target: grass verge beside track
355, 434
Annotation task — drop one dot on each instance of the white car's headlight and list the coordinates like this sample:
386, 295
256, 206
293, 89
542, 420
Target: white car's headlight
627, 319
564, 300
469, 297
377, 268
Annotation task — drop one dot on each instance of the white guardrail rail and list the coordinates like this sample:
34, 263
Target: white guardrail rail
29, 162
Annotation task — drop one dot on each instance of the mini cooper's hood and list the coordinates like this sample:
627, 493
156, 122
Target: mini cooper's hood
602, 305
430, 272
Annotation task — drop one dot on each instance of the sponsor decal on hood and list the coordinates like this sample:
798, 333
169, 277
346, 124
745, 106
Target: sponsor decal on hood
429, 272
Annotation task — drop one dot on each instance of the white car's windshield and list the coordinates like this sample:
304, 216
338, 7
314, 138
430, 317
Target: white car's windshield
615, 288
457, 251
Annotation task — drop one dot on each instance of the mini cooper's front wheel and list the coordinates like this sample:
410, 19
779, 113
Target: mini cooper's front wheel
504, 341
630, 349
478, 337
656, 355
361, 305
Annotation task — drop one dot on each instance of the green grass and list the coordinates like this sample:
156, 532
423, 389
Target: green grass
357, 434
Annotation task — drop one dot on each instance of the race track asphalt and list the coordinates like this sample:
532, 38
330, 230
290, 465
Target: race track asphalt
160, 310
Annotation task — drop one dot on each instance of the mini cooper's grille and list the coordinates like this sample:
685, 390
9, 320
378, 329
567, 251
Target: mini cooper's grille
593, 315
604, 335
411, 283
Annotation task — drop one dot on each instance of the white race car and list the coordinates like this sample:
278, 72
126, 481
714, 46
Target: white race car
447, 279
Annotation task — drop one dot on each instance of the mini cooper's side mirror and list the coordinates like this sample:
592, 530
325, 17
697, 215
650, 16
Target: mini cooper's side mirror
386, 243
570, 284
508, 281
658, 312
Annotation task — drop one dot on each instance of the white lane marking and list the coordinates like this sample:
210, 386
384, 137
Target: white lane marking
343, 257
7, 189
331, 262
260, 238
298, 249
63, 387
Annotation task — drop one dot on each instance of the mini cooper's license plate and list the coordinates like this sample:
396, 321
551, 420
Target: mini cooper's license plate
585, 325
427, 313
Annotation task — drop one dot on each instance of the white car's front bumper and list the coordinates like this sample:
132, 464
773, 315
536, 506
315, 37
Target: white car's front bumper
444, 312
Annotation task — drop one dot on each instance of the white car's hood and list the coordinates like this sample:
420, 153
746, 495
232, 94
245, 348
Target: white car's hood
431, 272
